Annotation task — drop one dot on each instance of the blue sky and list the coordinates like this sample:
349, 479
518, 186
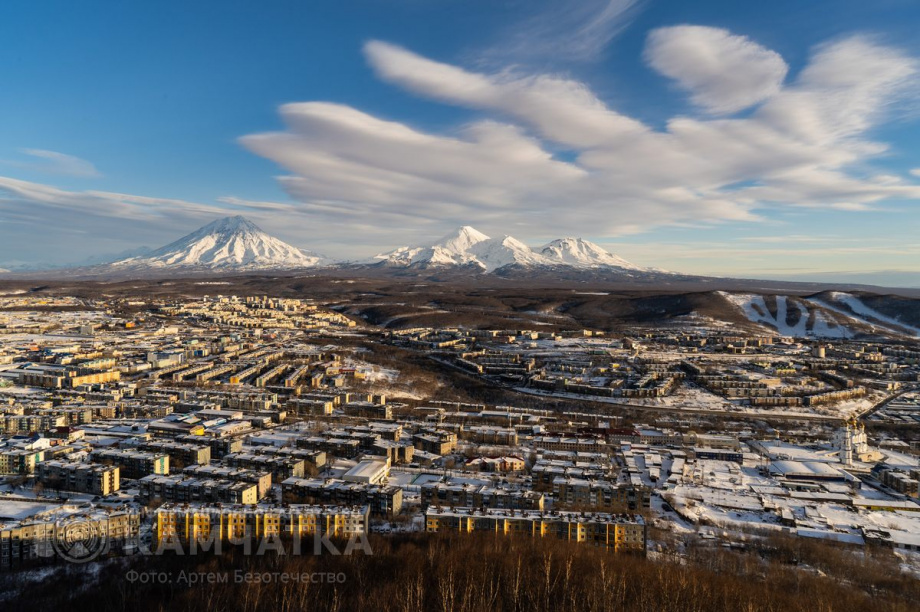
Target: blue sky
759, 139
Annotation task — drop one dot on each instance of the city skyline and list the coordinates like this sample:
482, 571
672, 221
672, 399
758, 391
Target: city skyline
697, 139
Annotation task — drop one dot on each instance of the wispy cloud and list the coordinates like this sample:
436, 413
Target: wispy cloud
570, 30
40, 221
52, 162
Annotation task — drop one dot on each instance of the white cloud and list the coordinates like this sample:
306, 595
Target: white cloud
801, 147
723, 73
59, 163
915, 171
563, 110
93, 203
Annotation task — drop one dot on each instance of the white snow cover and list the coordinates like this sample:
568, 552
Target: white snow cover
583, 254
467, 246
496, 253
755, 309
449, 250
228, 243
864, 313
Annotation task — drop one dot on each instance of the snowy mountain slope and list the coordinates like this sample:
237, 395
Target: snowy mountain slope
829, 315
851, 306
468, 246
451, 250
462, 240
231, 243
582, 254
788, 316
496, 253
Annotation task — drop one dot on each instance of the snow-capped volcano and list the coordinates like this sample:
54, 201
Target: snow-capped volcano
231, 243
451, 250
583, 254
461, 240
468, 246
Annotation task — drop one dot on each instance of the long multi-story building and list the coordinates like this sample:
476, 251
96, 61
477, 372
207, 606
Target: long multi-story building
133, 464
618, 532
479, 496
600, 495
33, 539
382, 500
571, 443
199, 522
262, 480
81, 477
19, 461
157, 488
31, 423
491, 435
281, 467
180, 454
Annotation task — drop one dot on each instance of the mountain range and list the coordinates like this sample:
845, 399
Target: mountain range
468, 246
236, 244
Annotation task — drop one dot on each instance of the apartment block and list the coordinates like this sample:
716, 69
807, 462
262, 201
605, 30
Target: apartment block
16, 461
199, 522
262, 480
29, 541
382, 500
133, 464
81, 477
281, 468
479, 496
439, 442
600, 495
617, 532
180, 454
183, 489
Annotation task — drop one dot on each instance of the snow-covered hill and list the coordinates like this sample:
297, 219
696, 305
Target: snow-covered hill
231, 243
468, 246
826, 315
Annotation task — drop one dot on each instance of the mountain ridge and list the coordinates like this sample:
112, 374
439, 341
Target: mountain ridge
468, 246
